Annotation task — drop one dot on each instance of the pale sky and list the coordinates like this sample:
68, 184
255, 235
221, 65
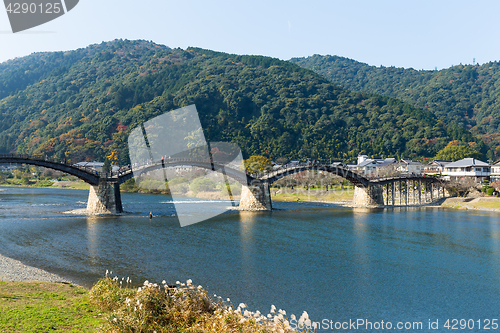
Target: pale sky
404, 33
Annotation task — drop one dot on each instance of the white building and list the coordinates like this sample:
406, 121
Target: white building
372, 167
468, 167
495, 171
411, 167
97, 166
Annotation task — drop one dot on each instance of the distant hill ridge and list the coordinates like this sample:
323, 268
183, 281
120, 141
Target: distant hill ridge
465, 95
81, 105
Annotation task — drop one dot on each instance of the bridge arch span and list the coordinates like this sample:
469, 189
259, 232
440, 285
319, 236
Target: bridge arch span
353, 177
87, 176
240, 176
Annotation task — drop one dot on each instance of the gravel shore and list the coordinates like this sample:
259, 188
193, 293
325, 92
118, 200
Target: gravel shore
14, 270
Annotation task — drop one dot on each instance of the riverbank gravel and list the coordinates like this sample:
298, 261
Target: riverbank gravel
14, 270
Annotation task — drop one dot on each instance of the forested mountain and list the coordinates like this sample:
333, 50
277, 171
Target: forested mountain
466, 95
81, 105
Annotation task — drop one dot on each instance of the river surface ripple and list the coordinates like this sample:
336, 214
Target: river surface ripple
415, 264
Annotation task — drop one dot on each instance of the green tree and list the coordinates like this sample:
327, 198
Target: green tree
455, 153
202, 184
106, 166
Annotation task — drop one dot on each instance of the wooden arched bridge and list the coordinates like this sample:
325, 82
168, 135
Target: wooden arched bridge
104, 196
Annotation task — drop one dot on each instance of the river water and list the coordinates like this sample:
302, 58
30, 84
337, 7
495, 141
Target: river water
338, 264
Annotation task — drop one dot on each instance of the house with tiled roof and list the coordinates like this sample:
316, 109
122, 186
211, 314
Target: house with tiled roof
468, 167
410, 167
436, 167
373, 167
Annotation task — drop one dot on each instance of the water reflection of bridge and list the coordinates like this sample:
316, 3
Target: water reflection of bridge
104, 193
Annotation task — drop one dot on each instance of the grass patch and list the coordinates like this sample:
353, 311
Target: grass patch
79, 185
47, 307
313, 195
109, 308
489, 205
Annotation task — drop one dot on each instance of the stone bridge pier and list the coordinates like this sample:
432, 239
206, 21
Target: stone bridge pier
372, 195
105, 198
256, 197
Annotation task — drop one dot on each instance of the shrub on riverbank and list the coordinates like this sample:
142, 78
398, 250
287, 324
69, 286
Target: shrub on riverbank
179, 308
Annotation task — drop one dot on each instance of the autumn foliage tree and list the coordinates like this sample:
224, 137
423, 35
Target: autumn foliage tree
454, 152
257, 164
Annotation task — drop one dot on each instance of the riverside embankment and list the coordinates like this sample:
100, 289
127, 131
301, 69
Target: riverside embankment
490, 204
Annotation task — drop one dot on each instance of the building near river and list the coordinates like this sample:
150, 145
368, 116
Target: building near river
374, 167
468, 167
495, 171
410, 167
436, 167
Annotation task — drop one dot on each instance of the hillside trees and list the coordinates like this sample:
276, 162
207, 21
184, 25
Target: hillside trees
85, 105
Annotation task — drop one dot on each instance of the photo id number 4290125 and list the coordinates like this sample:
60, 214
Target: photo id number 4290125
470, 324
33, 8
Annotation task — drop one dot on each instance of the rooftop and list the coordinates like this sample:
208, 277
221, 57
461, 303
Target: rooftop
466, 162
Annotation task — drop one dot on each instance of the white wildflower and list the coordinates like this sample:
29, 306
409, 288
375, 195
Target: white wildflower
163, 282
305, 315
292, 316
242, 305
273, 309
200, 287
177, 282
189, 282
115, 320
228, 299
283, 312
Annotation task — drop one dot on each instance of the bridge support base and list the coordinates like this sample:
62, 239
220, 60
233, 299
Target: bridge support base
368, 196
105, 198
256, 197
